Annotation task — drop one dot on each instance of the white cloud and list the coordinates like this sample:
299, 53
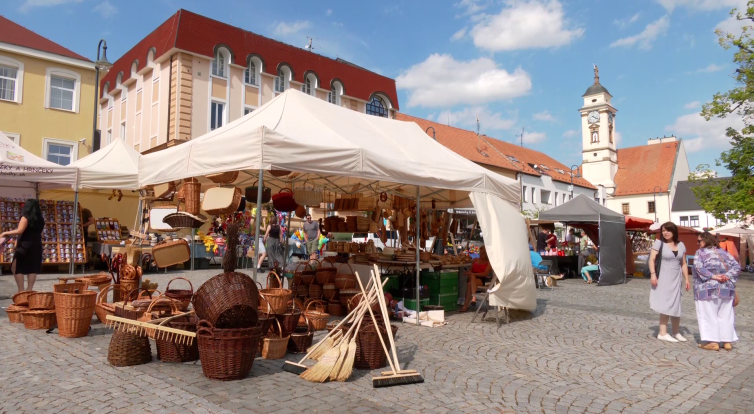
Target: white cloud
699, 134
692, 105
458, 35
733, 25
701, 5
571, 133
31, 4
534, 137
328, 12
647, 36
472, 6
628, 21
466, 118
709, 69
285, 28
524, 25
106, 9
544, 116
442, 81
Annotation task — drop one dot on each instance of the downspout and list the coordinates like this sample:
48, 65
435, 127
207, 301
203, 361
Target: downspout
170, 104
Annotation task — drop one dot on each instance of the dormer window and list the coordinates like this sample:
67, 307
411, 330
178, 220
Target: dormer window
251, 74
283, 79
512, 158
376, 106
220, 63
336, 91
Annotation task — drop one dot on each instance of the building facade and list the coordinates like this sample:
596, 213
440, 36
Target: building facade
193, 74
544, 182
638, 181
686, 211
46, 94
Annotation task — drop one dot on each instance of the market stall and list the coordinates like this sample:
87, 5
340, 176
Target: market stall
349, 153
606, 229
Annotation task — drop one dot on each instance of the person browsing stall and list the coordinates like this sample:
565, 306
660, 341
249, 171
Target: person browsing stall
311, 236
479, 275
28, 257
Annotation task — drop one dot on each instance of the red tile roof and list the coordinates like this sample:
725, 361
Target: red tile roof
15, 34
198, 34
642, 168
467, 144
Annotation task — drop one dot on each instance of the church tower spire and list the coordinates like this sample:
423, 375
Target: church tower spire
599, 155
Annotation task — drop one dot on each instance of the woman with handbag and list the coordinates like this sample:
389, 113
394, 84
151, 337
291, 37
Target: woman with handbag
28, 257
667, 262
273, 239
715, 276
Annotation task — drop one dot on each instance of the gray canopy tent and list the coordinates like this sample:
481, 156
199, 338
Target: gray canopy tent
606, 228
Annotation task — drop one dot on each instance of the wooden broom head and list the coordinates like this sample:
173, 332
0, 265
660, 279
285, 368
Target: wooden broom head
230, 259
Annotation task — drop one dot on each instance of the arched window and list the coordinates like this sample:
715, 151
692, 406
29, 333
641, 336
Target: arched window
307, 86
595, 137
376, 106
336, 91
220, 64
283, 78
251, 74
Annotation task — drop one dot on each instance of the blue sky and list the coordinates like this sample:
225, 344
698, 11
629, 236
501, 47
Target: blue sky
517, 64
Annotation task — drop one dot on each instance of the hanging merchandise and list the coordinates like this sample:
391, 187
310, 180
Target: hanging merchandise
283, 200
251, 193
221, 200
192, 191
307, 197
223, 178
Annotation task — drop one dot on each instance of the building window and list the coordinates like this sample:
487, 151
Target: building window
59, 152
8, 77
694, 222
565, 198
626, 209
650, 207
556, 199
247, 111
611, 134
526, 196
544, 197
61, 93
109, 137
331, 96
216, 117
123, 131
307, 89
376, 106
280, 82
595, 137
685, 221
251, 74
218, 65
533, 195
16, 138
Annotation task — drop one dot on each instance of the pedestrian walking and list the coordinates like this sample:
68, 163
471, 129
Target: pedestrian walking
28, 257
715, 275
311, 236
273, 239
665, 295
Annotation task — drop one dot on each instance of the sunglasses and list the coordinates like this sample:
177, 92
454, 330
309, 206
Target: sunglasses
698, 241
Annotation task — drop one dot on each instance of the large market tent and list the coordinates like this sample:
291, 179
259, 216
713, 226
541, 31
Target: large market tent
350, 152
609, 234
115, 166
21, 169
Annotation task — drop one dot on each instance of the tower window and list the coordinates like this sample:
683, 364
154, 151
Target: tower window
611, 134
595, 137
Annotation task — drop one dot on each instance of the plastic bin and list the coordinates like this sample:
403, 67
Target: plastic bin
411, 303
448, 301
441, 283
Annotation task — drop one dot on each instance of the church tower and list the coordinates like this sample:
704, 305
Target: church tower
599, 157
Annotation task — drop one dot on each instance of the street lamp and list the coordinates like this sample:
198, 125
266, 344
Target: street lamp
100, 65
433, 132
577, 176
654, 199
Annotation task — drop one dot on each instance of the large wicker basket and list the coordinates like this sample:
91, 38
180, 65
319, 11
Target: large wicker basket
369, 352
128, 349
74, 312
301, 339
42, 301
226, 354
170, 351
22, 298
326, 274
184, 220
274, 345
277, 298
39, 319
15, 313
228, 301
221, 200
223, 178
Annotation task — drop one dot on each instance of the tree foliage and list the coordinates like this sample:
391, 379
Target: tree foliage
733, 199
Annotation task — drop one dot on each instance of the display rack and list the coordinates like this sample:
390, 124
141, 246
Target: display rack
56, 236
108, 230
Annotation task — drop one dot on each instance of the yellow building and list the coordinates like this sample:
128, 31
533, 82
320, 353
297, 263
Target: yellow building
46, 95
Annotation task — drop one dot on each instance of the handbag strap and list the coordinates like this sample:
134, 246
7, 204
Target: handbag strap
721, 259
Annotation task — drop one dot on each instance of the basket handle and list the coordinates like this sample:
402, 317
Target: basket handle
150, 293
138, 295
272, 272
280, 328
182, 278
163, 299
308, 325
323, 260
205, 326
269, 307
103, 293
318, 308
349, 266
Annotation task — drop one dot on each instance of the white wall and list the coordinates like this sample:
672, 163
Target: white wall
638, 206
681, 172
546, 183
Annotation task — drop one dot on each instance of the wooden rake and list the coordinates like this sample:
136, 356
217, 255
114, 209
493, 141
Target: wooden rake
151, 329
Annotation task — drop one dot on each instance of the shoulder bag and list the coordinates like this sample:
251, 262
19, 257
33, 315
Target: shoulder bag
658, 260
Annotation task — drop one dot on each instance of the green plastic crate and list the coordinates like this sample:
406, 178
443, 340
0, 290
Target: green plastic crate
441, 283
448, 301
392, 283
411, 303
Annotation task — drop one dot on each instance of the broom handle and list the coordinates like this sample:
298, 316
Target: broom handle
387, 320
329, 334
376, 326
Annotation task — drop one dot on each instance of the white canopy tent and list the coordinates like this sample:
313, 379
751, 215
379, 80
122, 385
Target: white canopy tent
115, 166
349, 152
733, 230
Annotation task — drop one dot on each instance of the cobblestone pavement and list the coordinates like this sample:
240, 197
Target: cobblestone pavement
585, 349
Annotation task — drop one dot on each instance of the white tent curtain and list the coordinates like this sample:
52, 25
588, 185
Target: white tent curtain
115, 166
20, 168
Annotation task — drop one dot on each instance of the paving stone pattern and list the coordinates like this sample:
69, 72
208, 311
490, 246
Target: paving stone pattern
586, 349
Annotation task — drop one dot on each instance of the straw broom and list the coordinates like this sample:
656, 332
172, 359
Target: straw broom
346, 367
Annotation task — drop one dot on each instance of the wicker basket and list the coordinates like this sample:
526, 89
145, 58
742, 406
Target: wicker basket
15, 313
308, 275
317, 317
329, 291
95, 280
223, 178
42, 301
127, 349
192, 190
347, 294
301, 339
169, 253
128, 286
345, 280
228, 301
126, 309
354, 301
101, 307
289, 319
279, 173
74, 312
226, 354
277, 298
184, 220
306, 197
170, 351
39, 319
315, 292
183, 296
335, 308
301, 290
22, 298
326, 274
274, 344
251, 193
283, 200
369, 352
221, 200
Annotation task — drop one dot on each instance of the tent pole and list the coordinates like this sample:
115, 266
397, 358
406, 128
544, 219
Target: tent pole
256, 224
191, 243
74, 228
418, 262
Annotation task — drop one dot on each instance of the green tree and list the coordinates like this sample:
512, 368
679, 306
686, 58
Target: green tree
733, 198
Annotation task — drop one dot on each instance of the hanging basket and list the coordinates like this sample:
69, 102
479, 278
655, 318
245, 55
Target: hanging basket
223, 178
221, 200
283, 200
300, 211
192, 190
279, 173
170, 253
252, 192
183, 296
305, 197
184, 220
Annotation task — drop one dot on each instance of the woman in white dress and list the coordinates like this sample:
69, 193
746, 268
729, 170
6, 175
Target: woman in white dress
665, 296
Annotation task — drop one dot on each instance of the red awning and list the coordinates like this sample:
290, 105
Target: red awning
636, 223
